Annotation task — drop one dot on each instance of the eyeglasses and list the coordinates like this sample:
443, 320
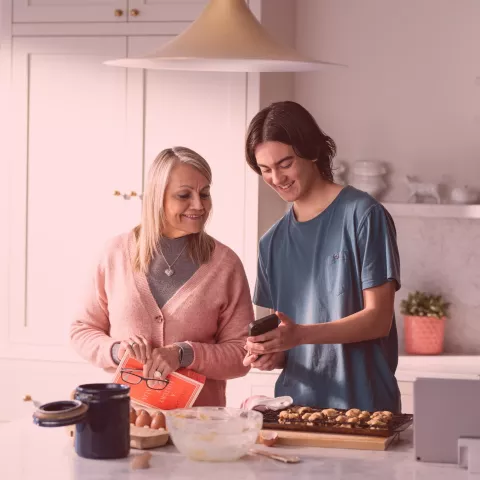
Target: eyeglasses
134, 377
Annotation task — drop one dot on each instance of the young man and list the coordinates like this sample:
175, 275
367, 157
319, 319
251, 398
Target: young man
329, 268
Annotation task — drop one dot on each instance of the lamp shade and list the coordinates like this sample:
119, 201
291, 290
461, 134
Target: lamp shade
226, 37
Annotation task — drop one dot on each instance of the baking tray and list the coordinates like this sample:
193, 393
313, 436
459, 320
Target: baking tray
399, 423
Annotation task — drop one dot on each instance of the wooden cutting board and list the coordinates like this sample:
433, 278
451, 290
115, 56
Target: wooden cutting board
332, 440
141, 438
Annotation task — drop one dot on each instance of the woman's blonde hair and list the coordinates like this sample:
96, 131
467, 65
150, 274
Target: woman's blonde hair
150, 231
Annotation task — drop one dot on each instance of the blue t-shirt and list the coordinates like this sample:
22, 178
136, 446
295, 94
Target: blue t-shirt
315, 272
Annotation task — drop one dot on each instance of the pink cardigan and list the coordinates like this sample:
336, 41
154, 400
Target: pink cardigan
211, 311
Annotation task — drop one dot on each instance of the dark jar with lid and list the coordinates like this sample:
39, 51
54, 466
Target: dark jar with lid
101, 415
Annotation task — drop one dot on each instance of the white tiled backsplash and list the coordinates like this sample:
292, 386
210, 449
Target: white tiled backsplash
443, 256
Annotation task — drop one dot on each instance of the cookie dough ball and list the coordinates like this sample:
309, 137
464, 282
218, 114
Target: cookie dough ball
330, 412
353, 412
376, 423
303, 410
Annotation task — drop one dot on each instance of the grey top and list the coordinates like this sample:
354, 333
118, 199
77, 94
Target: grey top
163, 287
316, 272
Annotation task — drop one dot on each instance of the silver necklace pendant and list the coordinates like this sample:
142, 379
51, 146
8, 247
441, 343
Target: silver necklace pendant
170, 271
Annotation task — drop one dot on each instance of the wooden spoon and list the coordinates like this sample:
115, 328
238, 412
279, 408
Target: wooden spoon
275, 456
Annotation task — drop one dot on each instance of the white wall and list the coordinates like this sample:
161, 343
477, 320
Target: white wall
279, 20
409, 97
411, 93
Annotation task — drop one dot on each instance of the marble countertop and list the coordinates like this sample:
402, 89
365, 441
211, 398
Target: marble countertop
28, 452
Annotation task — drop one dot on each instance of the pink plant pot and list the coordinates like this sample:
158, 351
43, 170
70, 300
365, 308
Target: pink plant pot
424, 335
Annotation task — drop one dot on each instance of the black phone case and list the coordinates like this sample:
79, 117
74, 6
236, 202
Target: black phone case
263, 325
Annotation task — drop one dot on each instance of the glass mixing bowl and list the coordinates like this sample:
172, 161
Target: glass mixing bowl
213, 434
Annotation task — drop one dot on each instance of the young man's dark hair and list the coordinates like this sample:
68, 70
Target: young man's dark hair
290, 123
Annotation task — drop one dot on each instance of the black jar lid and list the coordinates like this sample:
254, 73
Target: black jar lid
60, 414
98, 392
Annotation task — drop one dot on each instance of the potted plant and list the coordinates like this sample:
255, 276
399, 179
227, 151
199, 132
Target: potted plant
424, 323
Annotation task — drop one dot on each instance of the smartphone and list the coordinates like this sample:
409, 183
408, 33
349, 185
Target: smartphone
263, 325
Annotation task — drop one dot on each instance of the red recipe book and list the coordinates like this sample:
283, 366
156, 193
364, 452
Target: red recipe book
182, 389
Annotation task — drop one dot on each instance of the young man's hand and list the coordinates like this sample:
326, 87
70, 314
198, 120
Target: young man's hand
285, 337
267, 362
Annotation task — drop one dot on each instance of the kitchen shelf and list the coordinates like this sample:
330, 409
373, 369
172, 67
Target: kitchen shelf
433, 210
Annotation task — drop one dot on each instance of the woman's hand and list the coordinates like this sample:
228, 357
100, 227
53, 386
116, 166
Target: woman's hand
137, 346
285, 337
267, 362
162, 362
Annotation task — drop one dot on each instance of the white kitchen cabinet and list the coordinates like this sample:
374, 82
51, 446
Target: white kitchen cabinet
206, 113
406, 396
40, 11
69, 153
255, 382
164, 10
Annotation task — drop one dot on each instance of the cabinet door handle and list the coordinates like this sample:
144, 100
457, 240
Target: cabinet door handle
118, 12
135, 194
28, 398
134, 12
128, 195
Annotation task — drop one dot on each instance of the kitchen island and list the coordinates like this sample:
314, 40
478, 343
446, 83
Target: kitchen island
29, 452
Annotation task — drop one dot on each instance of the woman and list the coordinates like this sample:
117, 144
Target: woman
167, 292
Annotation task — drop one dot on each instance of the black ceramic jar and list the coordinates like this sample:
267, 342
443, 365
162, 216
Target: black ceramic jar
100, 412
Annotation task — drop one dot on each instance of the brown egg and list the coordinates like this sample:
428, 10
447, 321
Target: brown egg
269, 439
143, 419
141, 461
158, 421
133, 415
